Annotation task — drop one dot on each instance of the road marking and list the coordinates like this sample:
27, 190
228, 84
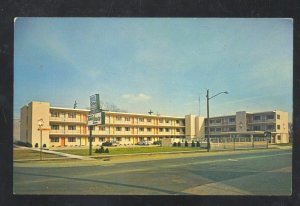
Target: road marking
233, 160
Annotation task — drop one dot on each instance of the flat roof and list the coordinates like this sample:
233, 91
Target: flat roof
70, 109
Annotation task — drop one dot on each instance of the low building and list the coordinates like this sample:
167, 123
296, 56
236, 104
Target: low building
67, 127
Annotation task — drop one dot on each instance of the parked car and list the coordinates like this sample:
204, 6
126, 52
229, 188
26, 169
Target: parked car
107, 144
142, 143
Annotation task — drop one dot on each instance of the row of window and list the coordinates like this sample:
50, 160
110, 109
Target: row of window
101, 139
269, 127
142, 119
57, 114
56, 127
267, 117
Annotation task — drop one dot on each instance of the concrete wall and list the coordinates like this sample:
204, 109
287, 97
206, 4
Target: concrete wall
199, 127
24, 127
38, 110
241, 121
282, 135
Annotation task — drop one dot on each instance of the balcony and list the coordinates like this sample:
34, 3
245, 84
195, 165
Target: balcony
66, 132
64, 119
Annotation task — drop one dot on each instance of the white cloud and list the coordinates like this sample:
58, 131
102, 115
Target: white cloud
137, 98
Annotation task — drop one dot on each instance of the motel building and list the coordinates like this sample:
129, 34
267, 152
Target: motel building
67, 127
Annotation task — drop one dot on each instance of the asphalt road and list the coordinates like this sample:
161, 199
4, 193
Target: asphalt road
259, 172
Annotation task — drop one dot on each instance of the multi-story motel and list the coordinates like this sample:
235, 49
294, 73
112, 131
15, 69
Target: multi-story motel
68, 127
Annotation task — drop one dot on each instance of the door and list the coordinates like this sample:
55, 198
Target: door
62, 142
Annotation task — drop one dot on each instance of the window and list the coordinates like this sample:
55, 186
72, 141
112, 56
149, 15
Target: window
101, 128
149, 129
161, 120
177, 130
118, 118
127, 119
91, 128
54, 139
278, 116
256, 128
270, 116
93, 139
148, 120
256, 117
270, 127
101, 139
141, 129
231, 119
127, 129
54, 114
118, 129
161, 129
232, 129
212, 129
218, 129
118, 139
72, 127
177, 121
278, 126
167, 129
218, 121
149, 138
278, 137
167, 121
71, 139
54, 127
141, 119
72, 115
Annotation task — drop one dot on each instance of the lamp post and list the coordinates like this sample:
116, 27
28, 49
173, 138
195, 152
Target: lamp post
40, 123
207, 101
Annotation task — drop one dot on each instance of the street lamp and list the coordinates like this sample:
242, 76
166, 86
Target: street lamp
207, 101
40, 123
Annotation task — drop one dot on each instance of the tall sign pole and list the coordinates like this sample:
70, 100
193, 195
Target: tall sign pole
207, 102
94, 117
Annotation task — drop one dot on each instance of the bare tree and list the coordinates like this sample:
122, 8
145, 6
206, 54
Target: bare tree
111, 107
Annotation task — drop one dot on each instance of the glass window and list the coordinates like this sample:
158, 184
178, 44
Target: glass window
72, 127
161, 120
231, 119
55, 127
161, 129
278, 116
54, 139
256, 128
218, 129
256, 117
141, 119
270, 127
278, 126
71, 139
118, 129
167, 121
167, 129
149, 129
118, 118
101, 139
270, 116
54, 114
127, 118
72, 115
101, 128
141, 129
127, 129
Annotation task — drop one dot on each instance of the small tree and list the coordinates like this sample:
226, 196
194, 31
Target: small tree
179, 144
101, 150
106, 150
174, 144
193, 143
198, 144
186, 144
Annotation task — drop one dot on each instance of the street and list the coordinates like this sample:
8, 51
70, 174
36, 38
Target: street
254, 172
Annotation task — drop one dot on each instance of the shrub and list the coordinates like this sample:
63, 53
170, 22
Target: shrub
193, 143
174, 144
101, 150
106, 150
157, 142
36, 145
179, 144
198, 144
186, 144
44, 145
97, 151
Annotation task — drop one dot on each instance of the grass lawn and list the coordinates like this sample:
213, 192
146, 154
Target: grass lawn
25, 154
129, 150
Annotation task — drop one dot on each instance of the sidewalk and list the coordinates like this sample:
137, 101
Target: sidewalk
70, 156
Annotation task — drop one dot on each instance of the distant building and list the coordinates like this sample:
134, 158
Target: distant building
16, 129
68, 126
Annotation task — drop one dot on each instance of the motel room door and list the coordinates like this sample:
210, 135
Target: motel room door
62, 142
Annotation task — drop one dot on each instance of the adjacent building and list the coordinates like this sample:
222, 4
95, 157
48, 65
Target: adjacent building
67, 127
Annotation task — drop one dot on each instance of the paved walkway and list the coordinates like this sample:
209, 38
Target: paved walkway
59, 153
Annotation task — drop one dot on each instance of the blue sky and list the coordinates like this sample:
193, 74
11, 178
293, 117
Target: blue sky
162, 64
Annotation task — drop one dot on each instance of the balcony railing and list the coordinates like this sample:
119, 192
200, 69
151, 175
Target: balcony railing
65, 119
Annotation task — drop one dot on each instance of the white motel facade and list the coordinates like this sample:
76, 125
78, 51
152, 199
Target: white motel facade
67, 127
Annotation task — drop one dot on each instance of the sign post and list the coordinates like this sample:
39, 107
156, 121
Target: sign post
95, 117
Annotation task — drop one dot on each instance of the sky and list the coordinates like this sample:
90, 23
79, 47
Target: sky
162, 64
